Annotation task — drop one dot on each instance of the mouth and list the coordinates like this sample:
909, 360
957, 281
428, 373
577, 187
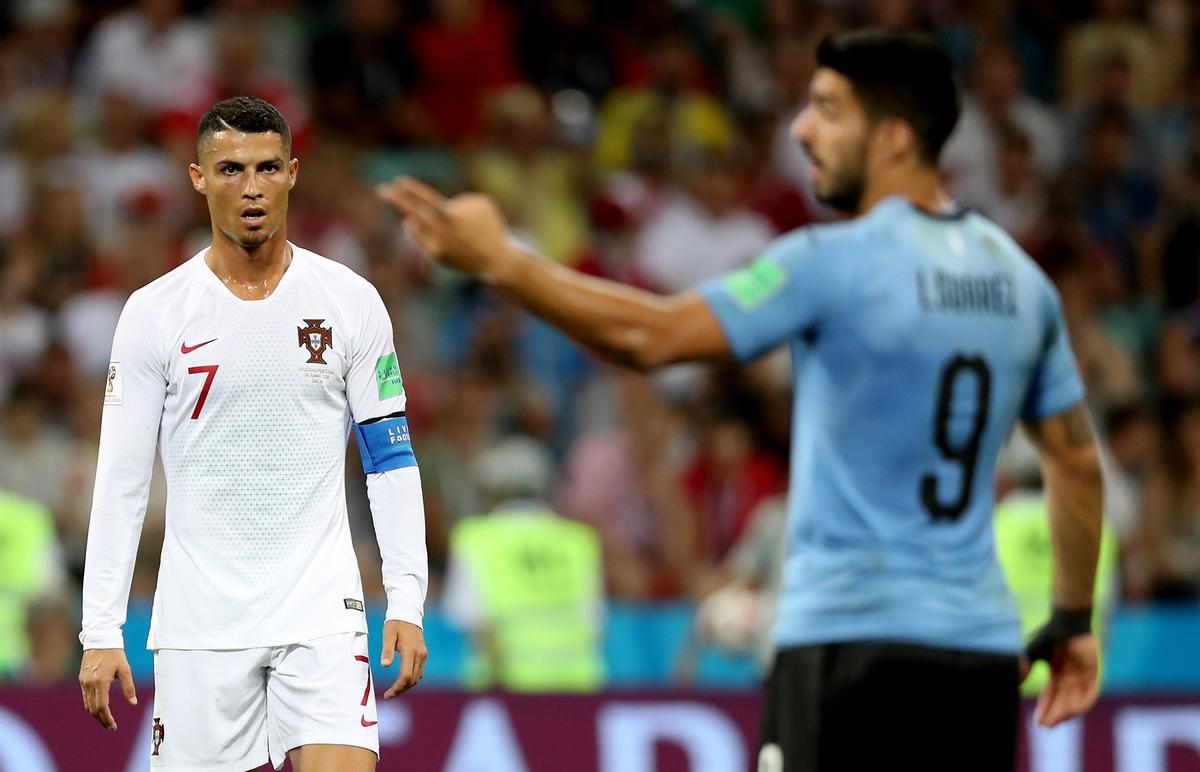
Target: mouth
253, 216
814, 165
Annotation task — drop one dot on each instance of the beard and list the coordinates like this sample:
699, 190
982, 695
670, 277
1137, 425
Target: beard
845, 193
842, 191
256, 238
249, 240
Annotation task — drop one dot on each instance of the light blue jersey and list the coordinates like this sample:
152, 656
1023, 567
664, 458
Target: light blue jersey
917, 340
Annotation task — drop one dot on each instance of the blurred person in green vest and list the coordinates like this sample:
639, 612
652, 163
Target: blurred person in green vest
30, 565
1022, 526
525, 583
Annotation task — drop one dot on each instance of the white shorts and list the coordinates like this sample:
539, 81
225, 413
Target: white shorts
231, 711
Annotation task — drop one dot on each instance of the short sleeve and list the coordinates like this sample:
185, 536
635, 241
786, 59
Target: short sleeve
793, 286
374, 387
1055, 384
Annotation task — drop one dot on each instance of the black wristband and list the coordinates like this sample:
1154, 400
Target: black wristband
1063, 624
1072, 622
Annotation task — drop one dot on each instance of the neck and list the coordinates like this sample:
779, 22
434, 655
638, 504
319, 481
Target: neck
920, 184
249, 273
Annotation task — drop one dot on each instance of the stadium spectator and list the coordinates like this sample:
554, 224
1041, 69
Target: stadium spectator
152, 52
1117, 30
703, 228
564, 44
1132, 436
33, 455
1180, 272
1028, 33
1116, 195
1114, 97
40, 55
122, 173
50, 625
671, 96
452, 87
992, 109
1168, 550
525, 583
730, 476
278, 30
25, 328
770, 191
625, 480
29, 567
1020, 194
535, 179
363, 75
240, 67
40, 148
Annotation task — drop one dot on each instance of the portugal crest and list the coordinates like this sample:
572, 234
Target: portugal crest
157, 735
316, 339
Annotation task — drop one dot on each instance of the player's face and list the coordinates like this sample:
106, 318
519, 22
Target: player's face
246, 178
833, 130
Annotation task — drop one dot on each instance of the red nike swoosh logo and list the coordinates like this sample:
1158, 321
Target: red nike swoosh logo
365, 722
184, 348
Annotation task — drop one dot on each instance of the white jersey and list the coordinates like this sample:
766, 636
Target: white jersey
250, 404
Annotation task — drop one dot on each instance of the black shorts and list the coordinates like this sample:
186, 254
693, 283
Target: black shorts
885, 706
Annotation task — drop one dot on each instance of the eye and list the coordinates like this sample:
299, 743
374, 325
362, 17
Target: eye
230, 171
270, 167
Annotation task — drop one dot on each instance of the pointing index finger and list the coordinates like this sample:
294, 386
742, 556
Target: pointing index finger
420, 190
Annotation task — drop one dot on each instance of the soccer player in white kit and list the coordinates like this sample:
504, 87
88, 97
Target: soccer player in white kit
247, 367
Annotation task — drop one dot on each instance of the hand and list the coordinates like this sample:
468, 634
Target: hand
1074, 680
466, 232
408, 641
96, 674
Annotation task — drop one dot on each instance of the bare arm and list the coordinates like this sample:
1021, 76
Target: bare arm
1074, 489
1071, 468
633, 327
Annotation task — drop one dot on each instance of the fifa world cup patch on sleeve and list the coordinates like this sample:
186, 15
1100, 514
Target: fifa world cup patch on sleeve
114, 386
353, 604
387, 377
756, 283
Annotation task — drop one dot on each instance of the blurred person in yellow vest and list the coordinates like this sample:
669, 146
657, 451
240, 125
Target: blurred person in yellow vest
1022, 525
30, 564
524, 582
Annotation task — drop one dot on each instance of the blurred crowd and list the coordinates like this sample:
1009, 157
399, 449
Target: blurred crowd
641, 140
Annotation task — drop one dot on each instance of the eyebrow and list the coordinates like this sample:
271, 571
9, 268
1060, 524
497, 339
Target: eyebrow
231, 162
824, 100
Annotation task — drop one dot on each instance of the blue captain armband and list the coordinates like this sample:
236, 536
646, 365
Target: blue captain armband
383, 443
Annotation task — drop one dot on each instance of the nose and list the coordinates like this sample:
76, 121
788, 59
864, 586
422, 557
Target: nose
251, 187
801, 127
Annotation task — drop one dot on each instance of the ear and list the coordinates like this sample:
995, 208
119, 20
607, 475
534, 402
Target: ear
197, 179
897, 138
293, 169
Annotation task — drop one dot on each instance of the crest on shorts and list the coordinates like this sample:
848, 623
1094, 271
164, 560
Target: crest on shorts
156, 735
316, 339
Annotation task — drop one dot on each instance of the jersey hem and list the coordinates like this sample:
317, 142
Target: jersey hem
935, 642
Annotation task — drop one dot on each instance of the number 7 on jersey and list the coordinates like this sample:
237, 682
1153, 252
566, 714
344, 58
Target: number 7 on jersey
210, 372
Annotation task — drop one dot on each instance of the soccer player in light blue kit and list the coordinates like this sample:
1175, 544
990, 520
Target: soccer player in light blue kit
920, 333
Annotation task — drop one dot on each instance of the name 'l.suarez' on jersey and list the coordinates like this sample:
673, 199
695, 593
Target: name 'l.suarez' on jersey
967, 293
